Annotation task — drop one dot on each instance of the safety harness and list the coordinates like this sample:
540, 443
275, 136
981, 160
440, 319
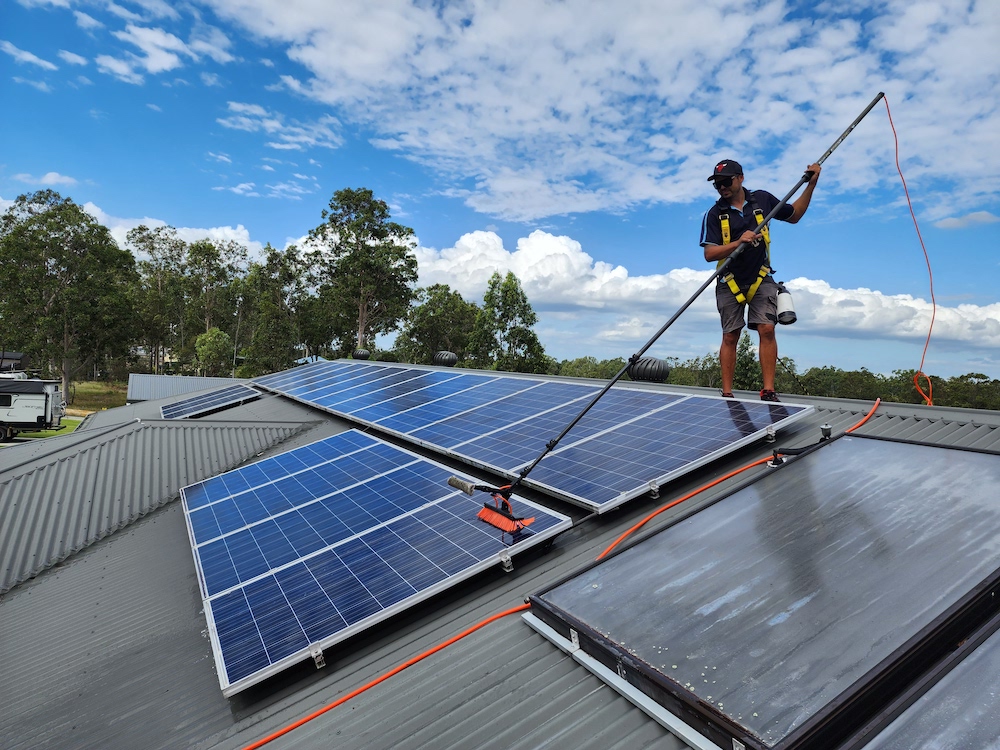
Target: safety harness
765, 269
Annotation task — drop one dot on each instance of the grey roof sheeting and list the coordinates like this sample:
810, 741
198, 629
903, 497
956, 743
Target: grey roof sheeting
143, 387
57, 502
109, 650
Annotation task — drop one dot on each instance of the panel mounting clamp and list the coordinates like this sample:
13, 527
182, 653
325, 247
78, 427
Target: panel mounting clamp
317, 654
508, 564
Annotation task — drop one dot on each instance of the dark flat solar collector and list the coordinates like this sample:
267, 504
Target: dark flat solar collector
956, 706
776, 615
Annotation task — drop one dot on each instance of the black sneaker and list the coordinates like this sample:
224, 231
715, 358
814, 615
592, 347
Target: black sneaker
769, 396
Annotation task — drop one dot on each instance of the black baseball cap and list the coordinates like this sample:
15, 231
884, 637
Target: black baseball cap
726, 168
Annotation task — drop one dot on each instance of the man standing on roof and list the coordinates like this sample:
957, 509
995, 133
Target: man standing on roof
748, 282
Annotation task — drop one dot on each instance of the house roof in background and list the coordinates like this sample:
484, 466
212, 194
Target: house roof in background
144, 387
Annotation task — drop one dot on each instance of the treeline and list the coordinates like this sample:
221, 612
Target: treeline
971, 391
78, 304
82, 307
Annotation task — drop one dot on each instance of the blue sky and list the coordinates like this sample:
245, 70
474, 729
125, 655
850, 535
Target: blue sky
568, 142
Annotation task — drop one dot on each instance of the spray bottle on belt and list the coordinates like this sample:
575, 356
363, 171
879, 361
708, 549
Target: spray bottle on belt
786, 311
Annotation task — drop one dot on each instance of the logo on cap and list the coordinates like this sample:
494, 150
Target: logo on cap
720, 166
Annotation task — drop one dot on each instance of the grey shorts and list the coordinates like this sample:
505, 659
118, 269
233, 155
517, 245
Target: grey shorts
763, 307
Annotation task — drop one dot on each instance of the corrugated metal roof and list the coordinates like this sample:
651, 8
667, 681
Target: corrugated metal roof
56, 502
140, 672
142, 387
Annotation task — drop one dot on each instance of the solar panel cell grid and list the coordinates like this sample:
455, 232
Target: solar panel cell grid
206, 402
504, 424
358, 531
488, 392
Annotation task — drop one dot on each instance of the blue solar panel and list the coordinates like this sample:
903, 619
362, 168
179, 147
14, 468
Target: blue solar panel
617, 465
502, 422
520, 443
206, 402
463, 401
307, 548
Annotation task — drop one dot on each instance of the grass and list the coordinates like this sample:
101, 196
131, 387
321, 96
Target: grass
70, 424
96, 395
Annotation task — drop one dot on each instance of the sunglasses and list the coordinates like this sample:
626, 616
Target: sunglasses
723, 182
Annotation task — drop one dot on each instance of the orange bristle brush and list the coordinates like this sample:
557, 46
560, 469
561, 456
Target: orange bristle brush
501, 515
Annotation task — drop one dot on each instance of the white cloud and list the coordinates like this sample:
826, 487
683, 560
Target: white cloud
609, 106
22, 56
120, 227
123, 13
961, 222
160, 49
211, 42
72, 58
211, 79
155, 107
86, 22
121, 69
291, 136
595, 307
220, 157
47, 179
244, 188
40, 85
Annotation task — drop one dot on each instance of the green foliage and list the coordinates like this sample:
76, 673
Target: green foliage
502, 338
215, 352
747, 376
160, 294
66, 283
441, 321
364, 268
590, 367
269, 293
705, 372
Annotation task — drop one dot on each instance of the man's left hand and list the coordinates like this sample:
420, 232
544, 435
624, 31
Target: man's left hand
815, 169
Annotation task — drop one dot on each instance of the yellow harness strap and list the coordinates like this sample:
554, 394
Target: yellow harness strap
764, 269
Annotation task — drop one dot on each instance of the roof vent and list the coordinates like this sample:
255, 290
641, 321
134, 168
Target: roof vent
445, 359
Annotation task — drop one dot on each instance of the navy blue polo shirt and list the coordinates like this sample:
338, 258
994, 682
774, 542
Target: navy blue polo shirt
747, 266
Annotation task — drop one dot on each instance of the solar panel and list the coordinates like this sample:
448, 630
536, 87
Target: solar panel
631, 440
209, 402
300, 551
793, 607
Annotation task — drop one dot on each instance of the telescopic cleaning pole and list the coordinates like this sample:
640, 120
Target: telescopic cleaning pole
720, 271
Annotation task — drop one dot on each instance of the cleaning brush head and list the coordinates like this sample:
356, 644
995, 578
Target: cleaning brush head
501, 515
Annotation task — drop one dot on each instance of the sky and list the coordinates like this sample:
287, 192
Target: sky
568, 142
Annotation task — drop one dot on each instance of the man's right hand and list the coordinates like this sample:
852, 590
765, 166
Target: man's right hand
750, 237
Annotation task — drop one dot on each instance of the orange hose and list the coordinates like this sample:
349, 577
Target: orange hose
520, 608
386, 676
927, 397
679, 500
867, 416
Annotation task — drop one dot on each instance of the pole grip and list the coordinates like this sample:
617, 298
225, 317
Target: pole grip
460, 484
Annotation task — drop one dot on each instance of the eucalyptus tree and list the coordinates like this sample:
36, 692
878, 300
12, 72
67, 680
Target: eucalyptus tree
66, 288
502, 337
273, 288
161, 258
441, 321
363, 267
